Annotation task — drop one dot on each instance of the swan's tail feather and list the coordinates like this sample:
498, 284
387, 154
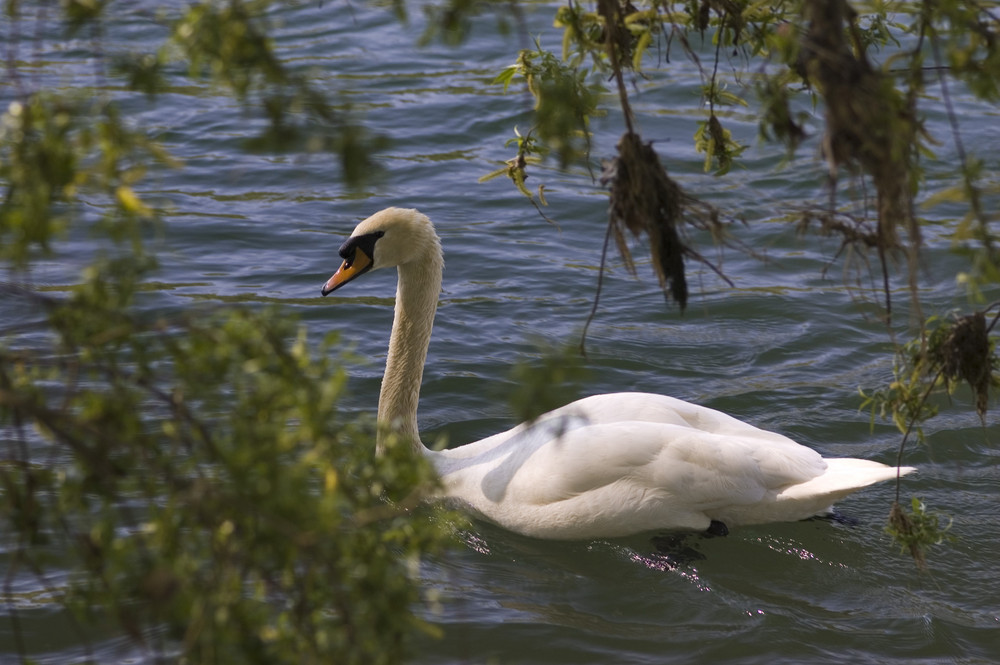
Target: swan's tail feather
844, 476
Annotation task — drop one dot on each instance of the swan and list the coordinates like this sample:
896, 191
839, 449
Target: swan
604, 466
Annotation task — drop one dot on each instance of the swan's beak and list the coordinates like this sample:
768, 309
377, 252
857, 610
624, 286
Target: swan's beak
357, 264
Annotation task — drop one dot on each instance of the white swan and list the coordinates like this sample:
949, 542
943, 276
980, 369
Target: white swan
603, 466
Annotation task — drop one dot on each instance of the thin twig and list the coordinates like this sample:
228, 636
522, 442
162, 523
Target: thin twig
909, 429
597, 292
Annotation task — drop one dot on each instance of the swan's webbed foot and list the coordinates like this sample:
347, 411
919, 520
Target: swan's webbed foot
671, 548
716, 528
837, 517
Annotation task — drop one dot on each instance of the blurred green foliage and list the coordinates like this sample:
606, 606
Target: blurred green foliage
187, 475
202, 485
551, 377
916, 530
54, 146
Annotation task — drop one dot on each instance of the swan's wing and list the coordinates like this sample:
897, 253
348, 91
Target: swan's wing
611, 408
703, 469
653, 408
685, 445
566, 476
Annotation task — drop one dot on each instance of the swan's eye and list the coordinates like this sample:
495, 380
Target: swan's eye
365, 243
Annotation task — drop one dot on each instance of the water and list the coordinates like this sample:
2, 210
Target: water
786, 349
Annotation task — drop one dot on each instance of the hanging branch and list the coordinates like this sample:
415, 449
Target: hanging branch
644, 201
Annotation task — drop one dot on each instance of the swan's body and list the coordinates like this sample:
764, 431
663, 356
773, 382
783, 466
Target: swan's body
603, 466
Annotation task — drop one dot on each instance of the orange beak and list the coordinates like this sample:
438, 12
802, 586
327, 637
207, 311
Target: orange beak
358, 264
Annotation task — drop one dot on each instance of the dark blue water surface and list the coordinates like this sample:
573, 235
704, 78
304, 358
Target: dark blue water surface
786, 347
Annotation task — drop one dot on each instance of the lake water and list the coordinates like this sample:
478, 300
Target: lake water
786, 348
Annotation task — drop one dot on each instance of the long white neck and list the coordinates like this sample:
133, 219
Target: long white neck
416, 303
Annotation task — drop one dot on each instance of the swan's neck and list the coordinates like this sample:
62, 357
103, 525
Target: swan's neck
416, 302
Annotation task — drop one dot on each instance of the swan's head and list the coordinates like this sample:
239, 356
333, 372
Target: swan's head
390, 237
